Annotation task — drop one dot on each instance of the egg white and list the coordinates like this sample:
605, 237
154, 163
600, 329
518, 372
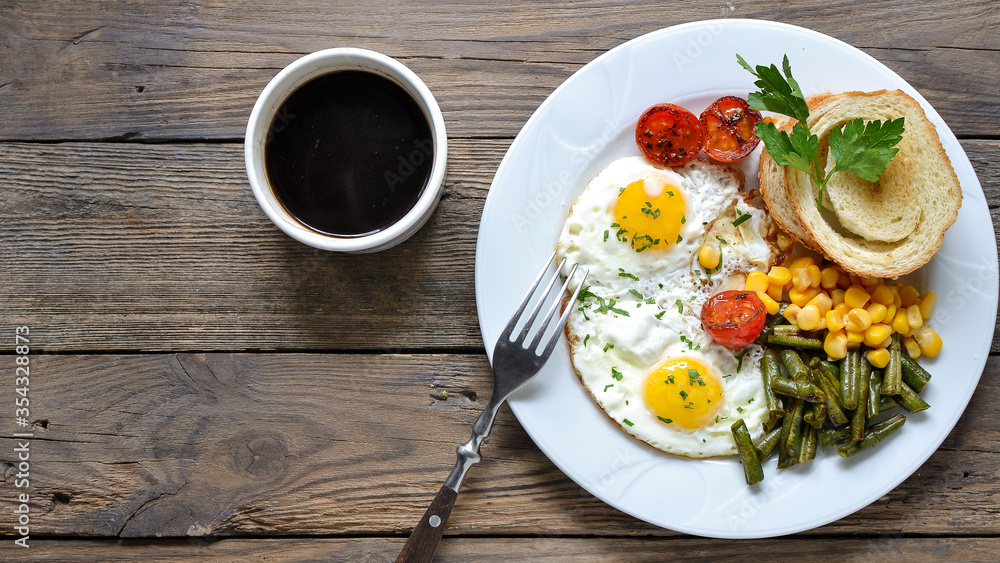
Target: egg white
652, 301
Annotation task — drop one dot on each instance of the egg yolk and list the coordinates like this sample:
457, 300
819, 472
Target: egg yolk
683, 391
649, 215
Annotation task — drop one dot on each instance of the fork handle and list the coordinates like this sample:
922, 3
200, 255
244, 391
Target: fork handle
426, 536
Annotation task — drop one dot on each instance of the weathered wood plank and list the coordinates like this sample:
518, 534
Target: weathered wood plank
289, 444
133, 247
166, 70
544, 549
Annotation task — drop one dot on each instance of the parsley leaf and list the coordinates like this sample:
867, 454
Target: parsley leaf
864, 149
667, 420
617, 375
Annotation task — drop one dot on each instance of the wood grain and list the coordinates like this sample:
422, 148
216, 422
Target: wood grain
174, 70
134, 247
545, 549
194, 445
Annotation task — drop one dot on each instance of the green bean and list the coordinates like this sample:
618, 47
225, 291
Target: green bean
793, 443
914, 375
815, 414
873, 435
767, 442
874, 392
809, 441
886, 403
833, 409
830, 437
784, 460
798, 390
770, 368
850, 379
860, 415
793, 339
909, 400
793, 363
829, 367
893, 377
748, 454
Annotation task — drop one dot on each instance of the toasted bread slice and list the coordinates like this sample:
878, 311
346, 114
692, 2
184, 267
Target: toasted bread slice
920, 177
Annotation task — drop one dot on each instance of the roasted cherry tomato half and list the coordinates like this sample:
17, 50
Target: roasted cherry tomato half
734, 318
729, 129
669, 134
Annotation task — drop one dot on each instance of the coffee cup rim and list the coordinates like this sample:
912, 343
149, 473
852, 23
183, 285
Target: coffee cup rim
295, 75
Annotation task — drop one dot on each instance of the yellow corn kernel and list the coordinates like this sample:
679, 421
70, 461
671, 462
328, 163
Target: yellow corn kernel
927, 303
801, 298
770, 305
877, 312
791, 312
908, 295
856, 297
808, 318
815, 275
756, 281
913, 317
855, 337
775, 291
779, 276
855, 279
882, 294
822, 324
837, 296
879, 357
828, 278
890, 313
876, 334
870, 282
885, 343
844, 281
801, 262
801, 280
709, 257
835, 344
822, 302
834, 321
928, 341
857, 320
897, 300
911, 347
899, 322
842, 309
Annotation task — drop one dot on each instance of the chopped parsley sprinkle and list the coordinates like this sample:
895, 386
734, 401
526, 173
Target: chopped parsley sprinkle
636, 294
670, 378
750, 401
667, 420
690, 344
627, 421
584, 311
689, 406
615, 225
608, 346
620, 235
617, 375
649, 301
661, 285
586, 337
683, 220
695, 377
670, 193
680, 306
739, 360
606, 233
741, 219
585, 293
623, 274
720, 239
679, 239
654, 213
683, 394
608, 386
739, 409
660, 315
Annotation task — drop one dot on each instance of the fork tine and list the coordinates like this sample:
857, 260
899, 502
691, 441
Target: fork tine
552, 310
538, 305
527, 299
562, 319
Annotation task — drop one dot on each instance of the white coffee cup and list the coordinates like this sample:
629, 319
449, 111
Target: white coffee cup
281, 87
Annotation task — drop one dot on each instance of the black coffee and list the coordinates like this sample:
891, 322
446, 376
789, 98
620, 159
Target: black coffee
348, 153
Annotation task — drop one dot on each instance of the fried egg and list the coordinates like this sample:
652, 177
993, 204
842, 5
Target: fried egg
635, 331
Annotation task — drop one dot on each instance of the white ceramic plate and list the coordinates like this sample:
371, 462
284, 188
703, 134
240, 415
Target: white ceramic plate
588, 122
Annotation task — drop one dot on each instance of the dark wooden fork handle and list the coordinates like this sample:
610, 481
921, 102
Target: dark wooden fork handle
427, 534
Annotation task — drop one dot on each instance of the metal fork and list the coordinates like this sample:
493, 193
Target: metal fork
514, 364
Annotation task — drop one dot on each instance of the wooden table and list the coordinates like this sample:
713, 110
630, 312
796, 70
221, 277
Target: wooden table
204, 386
